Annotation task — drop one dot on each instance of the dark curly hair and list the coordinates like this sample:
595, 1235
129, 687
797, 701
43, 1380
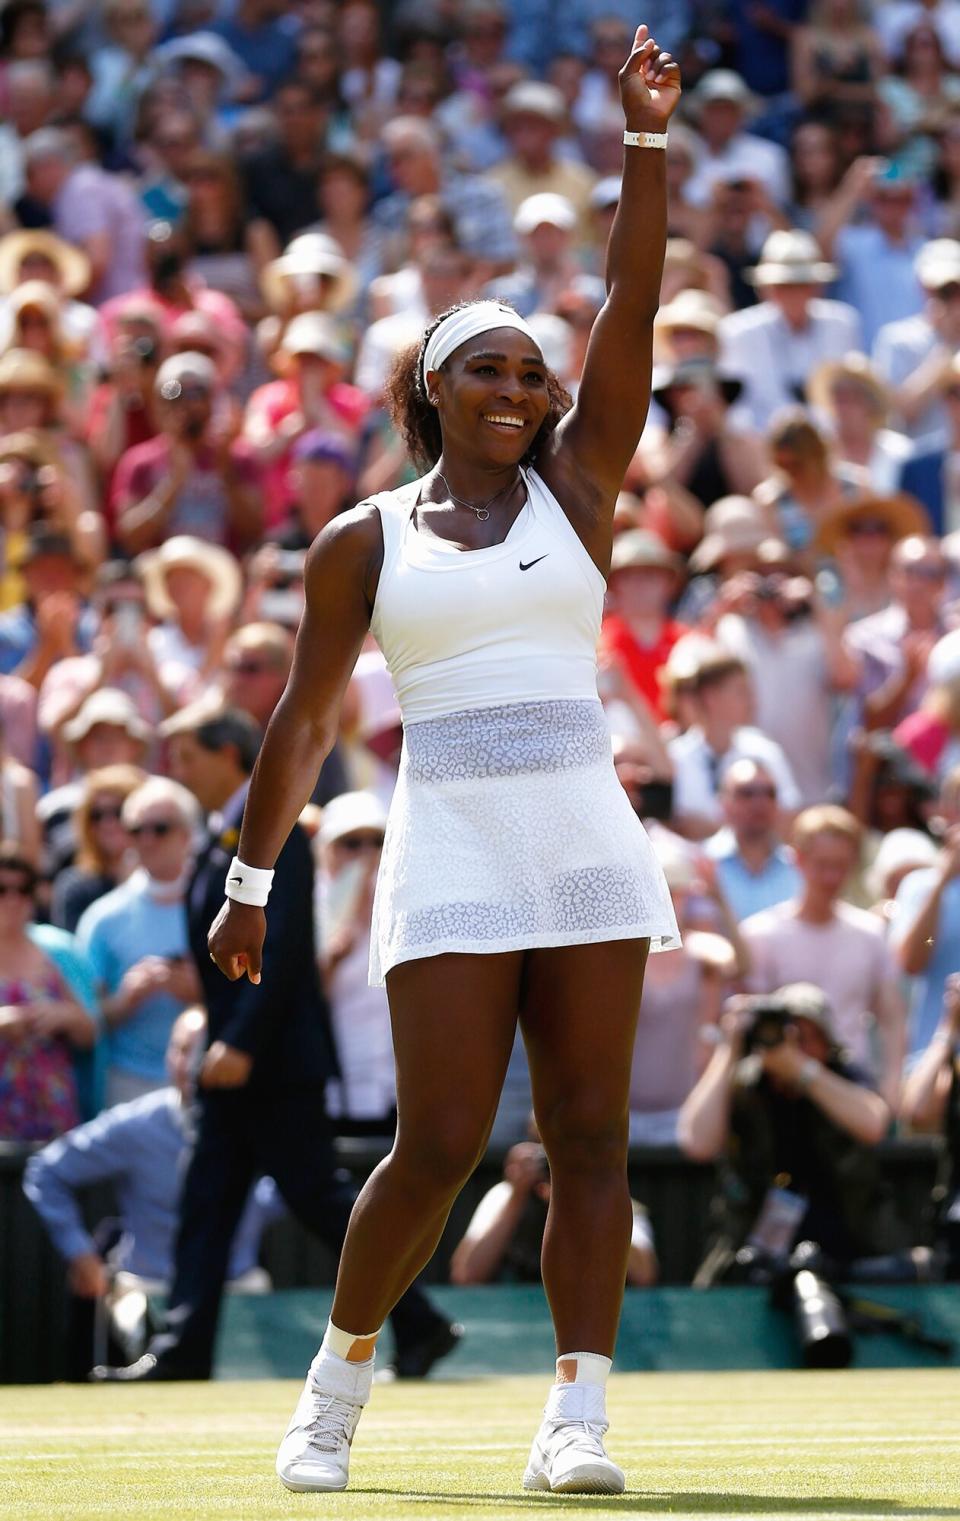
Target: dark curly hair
418, 422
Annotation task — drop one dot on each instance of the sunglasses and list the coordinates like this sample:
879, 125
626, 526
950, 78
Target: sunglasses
755, 792
357, 842
248, 668
99, 815
159, 829
16, 890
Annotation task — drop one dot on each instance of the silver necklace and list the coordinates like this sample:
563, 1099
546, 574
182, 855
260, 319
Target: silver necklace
480, 510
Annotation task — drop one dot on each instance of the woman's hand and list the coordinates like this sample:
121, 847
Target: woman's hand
235, 941
649, 85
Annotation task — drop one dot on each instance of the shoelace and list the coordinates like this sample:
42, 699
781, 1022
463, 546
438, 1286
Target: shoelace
332, 1419
579, 1433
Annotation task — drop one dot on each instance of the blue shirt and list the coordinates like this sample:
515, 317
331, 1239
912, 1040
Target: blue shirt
749, 892
926, 1003
142, 1148
878, 277
18, 635
118, 931
268, 51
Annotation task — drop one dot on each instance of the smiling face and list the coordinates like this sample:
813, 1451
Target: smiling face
492, 398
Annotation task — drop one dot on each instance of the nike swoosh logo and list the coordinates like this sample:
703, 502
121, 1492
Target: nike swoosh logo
532, 562
235, 879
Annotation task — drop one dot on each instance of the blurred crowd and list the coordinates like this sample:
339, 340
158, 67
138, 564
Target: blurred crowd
221, 222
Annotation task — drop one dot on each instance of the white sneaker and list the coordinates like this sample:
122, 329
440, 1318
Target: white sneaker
315, 1452
568, 1456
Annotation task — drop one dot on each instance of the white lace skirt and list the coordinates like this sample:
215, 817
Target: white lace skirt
509, 829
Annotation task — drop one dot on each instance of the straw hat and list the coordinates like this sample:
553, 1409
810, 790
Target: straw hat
71, 263
36, 295
311, 253
690, 308
218, 565
791, 256
28, 446
26, 370
853, 367
639, 549
733, 525
107, 706
902, 514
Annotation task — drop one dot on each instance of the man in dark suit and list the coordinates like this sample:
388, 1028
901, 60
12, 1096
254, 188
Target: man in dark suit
261, 1082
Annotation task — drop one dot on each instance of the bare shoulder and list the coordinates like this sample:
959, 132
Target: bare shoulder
347, 555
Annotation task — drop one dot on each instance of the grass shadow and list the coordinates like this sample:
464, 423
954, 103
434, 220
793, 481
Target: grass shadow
674, 1502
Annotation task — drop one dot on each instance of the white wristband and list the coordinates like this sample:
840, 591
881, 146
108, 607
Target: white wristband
248, 884
645, 139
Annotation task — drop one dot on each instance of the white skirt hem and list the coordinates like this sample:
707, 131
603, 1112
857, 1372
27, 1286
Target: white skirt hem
660, 940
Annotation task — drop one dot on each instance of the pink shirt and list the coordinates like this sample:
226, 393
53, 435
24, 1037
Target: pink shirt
278, 399
848, 958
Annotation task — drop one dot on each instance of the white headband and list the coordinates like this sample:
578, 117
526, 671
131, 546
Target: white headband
470, 322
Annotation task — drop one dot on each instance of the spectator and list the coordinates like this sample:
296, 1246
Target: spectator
18, 802
638, 632
836, 59
793, 1114
322, 485
503, 1239
722, 103
281, 180
774, 346
136, 939
854, 403
815, 160
545, 223
88, 207
256, 664
926, 921
805, 487
141, 1148
900, 852
311, 393
226, 251
845, 945
931, 472
754, 868
37, 254
792, 645
533, 117
722, 734
362, 1098
258, 36
679, 1009
42, 1020
104, 856
481, 214
892, 646
931, 734
190, 478
930, 1103
706, 448
121, 408
192, 590
877, 256
343, 195
49, 623
859, 535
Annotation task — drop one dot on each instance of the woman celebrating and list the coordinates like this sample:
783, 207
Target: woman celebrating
516, 881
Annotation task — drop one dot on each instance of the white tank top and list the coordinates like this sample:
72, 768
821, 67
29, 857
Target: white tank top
517, 622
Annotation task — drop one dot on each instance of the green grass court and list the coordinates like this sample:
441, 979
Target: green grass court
763, 1444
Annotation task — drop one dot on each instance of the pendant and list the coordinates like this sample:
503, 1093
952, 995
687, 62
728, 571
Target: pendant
482, 513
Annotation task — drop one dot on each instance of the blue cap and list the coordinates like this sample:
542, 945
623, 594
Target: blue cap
317, 446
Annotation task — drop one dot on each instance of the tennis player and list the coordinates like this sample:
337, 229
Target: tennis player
516, 882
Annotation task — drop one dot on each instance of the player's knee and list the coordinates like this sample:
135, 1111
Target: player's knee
441, 1159
581, 1136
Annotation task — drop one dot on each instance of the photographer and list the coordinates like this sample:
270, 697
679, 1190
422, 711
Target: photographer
931, 1102
792, 1123
192, 478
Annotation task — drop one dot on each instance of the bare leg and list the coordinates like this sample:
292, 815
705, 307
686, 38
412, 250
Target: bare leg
454, 1019
579, 1019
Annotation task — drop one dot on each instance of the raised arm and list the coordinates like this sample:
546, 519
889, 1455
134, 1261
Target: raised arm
301, 733
597, 439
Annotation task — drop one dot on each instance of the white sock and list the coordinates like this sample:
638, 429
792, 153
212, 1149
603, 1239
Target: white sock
347, 1377
579, 1393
